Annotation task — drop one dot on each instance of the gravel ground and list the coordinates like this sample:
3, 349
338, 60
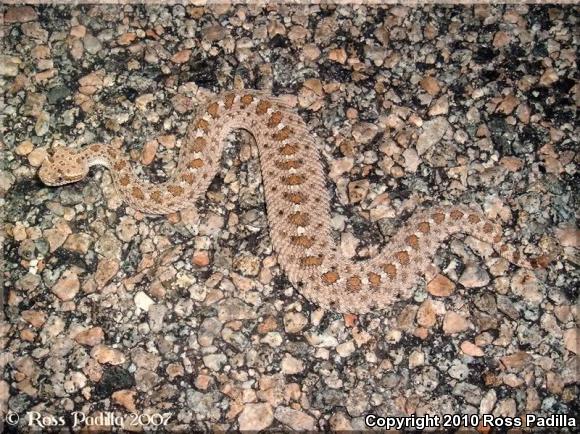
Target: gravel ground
110, 312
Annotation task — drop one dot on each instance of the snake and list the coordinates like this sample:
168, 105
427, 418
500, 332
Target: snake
297, 200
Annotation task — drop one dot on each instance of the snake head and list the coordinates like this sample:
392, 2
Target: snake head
63, 167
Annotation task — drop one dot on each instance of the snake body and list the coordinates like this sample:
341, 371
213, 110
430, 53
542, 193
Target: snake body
297, 201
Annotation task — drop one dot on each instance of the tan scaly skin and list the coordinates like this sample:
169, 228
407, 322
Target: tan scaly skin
298, 204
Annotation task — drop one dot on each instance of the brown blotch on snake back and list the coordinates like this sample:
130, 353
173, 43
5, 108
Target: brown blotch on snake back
296, 198
374, 279
438, 217
124, 180
293, 180
391, 270
213, 109
287, 165
229, 100
202, 124
263, 107
289, 149
196, 163
354, 283
311, 261
246, 100
187, 177
156, 196
330, 277
412, 241
199, 144
120, 165
302, 241
283, 134
424, 227
488, 228
497, 238
175, 190
456, 214
137, 193
403, 257
299, 219
275, 119
473, 218
95, 148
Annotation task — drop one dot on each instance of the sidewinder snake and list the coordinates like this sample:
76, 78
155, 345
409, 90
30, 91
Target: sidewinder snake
297, 202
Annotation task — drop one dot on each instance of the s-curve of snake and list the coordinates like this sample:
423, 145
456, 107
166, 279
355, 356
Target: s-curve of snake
297, 203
